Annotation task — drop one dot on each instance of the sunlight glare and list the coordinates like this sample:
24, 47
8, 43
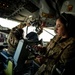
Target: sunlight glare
8, 23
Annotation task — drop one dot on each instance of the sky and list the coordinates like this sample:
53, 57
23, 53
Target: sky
46, 35
8, 23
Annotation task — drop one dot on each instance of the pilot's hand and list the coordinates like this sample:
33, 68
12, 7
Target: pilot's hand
40, 60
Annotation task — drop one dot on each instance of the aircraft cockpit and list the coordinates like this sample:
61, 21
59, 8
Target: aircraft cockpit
37, 18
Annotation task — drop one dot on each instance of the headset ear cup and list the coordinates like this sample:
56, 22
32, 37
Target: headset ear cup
67, 25
64, 16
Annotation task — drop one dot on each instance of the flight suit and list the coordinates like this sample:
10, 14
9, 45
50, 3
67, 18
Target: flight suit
58, 50
12, 43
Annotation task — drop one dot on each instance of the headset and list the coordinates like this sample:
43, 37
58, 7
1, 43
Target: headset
65, 17
18, 33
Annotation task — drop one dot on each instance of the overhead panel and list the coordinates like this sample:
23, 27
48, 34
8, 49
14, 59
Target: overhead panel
30, 6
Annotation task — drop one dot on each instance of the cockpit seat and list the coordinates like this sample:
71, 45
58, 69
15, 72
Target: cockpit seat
17, 61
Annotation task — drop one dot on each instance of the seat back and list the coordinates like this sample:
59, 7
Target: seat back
21, 54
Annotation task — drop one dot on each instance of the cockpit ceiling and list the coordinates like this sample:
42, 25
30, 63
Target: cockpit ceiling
19, 9
11, 8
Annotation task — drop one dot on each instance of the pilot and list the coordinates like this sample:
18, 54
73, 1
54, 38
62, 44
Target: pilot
14, 36
61, 48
